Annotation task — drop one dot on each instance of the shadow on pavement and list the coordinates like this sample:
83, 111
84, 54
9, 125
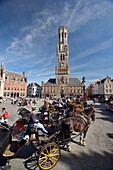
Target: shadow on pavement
110, 135
101, 109
94, 161
31, 163
24, 152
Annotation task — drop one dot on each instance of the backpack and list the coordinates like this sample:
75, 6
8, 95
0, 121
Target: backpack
6, 115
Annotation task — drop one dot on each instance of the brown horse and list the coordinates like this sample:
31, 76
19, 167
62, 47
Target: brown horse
74, 110
79, 123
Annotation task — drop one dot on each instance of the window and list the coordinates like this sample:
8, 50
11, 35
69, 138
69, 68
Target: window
110, 91
62, 35
71, 90
63, 57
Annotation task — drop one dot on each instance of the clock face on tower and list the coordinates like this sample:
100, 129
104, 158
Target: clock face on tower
62, 64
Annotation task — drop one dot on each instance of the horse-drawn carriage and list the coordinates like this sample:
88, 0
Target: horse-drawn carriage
47, 152
47, 148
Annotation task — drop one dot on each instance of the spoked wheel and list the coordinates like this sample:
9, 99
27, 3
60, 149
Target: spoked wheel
48, 156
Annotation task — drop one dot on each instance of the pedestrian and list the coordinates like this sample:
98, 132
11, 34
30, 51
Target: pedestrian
4, 115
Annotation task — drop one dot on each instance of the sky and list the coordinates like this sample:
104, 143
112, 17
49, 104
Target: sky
29, 37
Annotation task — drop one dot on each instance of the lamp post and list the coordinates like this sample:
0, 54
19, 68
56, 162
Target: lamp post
84, 90
62, 92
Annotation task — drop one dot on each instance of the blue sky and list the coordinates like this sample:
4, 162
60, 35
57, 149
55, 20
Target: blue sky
29, 36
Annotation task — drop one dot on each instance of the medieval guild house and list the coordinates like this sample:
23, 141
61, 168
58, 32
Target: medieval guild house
12, 84
62, 85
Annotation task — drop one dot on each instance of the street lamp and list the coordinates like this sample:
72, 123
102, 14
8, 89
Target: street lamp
62, 92
84, 90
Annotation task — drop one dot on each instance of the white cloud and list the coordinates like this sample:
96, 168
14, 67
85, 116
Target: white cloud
98, 47
31, 42
85, 11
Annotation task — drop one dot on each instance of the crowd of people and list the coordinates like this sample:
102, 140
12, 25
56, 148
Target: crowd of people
23, 102
57, 108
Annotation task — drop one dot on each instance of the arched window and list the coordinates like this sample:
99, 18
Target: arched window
62, 35
63, 57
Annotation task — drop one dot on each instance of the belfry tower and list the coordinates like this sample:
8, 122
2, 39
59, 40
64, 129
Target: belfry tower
62, 68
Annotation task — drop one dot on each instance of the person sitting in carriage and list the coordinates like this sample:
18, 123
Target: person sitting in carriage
35, 121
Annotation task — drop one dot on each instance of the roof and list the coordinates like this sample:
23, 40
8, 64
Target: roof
34, 84
74, 81
53, 81
14, 75
103, 80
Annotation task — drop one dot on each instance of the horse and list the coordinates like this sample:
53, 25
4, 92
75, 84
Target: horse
74, 110
78, 124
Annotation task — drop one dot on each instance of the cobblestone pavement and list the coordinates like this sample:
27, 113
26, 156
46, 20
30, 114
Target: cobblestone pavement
96, 155
13, 109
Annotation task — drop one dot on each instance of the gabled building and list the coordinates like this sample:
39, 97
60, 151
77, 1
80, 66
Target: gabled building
105, 87
12, 84
62, 85
34, 90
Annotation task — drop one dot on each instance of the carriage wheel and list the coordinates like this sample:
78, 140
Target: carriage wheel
48, 156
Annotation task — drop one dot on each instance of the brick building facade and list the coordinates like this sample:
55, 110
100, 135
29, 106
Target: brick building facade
12, 84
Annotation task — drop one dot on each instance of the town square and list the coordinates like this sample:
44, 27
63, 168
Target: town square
56, 85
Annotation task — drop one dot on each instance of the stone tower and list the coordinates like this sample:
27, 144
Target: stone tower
62, 68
